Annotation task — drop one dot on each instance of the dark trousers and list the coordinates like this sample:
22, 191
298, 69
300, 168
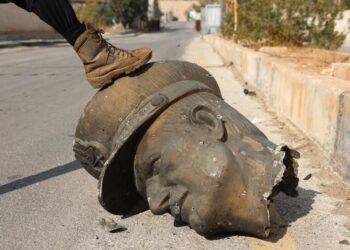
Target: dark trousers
59, 14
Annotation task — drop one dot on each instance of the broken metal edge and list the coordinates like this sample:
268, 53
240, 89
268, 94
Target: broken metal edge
91, 154
284, 171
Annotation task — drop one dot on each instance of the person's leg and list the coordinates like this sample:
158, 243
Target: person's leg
59, 14
103, 62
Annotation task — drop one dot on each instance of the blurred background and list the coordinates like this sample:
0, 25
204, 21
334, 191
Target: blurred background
320, 24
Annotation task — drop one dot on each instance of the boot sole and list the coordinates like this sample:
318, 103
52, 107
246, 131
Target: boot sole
100, 81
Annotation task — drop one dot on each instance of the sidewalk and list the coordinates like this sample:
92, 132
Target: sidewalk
319, 217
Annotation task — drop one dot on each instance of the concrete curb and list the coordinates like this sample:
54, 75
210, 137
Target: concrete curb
317, 105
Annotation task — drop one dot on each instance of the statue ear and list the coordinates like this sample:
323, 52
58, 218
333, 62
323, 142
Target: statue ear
204, 116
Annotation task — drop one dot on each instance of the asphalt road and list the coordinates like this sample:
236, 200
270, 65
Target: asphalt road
46, 199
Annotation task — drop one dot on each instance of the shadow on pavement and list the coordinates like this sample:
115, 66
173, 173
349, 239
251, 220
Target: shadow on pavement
162, 30
45, 175
136, 32
286, 210
35, 43
283, 211
292, 209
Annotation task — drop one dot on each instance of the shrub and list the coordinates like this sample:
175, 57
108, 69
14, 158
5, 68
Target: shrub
95, 13
284, 22
228, 24
126, 11
347, 2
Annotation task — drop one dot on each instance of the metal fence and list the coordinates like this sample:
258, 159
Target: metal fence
211, 18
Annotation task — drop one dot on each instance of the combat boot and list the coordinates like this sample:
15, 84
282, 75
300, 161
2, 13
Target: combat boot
104, 62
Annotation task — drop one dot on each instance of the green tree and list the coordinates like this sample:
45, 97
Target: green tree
284, 22
126, 11
95, 13
227, 26
156, 13
347, 2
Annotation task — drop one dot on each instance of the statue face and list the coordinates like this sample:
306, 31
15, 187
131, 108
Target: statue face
210, 167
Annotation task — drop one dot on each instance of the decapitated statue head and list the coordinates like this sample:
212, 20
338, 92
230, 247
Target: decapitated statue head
187, 152
210, 167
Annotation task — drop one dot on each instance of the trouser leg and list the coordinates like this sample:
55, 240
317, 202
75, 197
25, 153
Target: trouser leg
59, 14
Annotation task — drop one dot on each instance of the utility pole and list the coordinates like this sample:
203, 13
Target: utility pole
235, 9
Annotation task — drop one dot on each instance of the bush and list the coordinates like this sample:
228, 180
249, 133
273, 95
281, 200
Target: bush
228, 24
127, 11
95, 13
284, 22
347, 2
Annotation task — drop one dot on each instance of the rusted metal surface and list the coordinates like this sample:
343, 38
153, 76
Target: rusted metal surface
164, 135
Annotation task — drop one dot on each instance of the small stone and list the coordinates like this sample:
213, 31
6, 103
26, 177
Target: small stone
249, 92
307, 177
344, 242
111, 226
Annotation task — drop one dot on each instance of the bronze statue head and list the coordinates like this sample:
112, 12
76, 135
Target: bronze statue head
210, 167
165, 135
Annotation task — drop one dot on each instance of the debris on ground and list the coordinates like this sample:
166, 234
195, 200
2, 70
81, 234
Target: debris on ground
344, 242
308, 177
109, 225
257, 120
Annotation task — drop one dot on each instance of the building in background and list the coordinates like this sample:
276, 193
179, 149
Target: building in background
14, 20
176, 9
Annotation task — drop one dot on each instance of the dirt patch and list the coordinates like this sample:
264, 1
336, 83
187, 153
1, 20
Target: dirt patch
314, 61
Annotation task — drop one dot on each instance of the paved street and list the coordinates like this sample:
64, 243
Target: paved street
48, 202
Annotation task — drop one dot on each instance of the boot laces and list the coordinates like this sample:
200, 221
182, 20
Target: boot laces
98, 38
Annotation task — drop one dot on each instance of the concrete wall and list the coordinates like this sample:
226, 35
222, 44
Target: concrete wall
16, 20
318, 105
178, 8
343, 141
